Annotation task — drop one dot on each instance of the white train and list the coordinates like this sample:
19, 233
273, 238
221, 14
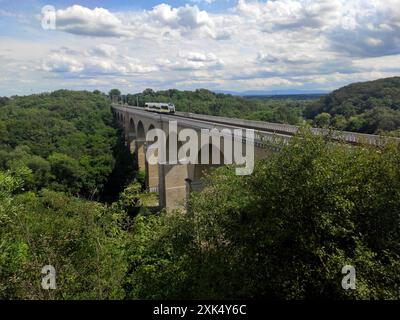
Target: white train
159, 107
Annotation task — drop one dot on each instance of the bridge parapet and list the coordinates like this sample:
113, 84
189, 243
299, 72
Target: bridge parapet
286, 129
265, 131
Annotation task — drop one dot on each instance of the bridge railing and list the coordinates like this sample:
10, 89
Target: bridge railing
264, 129
286, 129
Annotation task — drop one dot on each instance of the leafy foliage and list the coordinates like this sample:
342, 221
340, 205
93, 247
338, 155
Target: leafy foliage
83, 240
66, 138
285, 232
368, 107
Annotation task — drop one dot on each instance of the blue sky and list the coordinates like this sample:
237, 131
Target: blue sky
231, 45
116, 5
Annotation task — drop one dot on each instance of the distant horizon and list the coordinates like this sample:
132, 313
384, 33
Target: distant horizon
248, 93
227, 92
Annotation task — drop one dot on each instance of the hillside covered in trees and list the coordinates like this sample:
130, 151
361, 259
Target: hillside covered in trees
368, 107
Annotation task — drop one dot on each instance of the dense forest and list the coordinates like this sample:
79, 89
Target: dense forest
368, 107
70, 197
65, 140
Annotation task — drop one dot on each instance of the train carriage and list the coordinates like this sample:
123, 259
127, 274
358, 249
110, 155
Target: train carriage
160, 107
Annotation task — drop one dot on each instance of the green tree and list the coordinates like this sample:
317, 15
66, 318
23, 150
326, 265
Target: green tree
114, 93
323, 120
67, 171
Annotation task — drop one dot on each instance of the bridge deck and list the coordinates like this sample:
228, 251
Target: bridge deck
263, 130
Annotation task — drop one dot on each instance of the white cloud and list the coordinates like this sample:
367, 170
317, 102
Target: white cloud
192, 61
104, 50
291, 14
188, 20
98, 22
60, 63
187, 17
373, 29
197, 56
100, 60
203, 1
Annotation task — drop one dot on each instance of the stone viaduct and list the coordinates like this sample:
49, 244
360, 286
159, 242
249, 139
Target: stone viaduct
174, 182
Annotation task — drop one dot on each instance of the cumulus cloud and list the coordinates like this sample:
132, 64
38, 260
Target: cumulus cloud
187, 19
372, 29
290, 14
104, 50
98, 22
99, 60
357, 27
58, 62
285, 57
190, 61
198, 56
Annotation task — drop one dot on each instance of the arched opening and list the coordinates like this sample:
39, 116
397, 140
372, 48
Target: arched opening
152, 178
132, 135
132, 128
154, 153
140, 131
140, 146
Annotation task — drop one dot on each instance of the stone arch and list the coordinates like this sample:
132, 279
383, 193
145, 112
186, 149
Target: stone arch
140, 146
131, 136
152, 178
140, 132
155, 153
132, 127
150, 125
